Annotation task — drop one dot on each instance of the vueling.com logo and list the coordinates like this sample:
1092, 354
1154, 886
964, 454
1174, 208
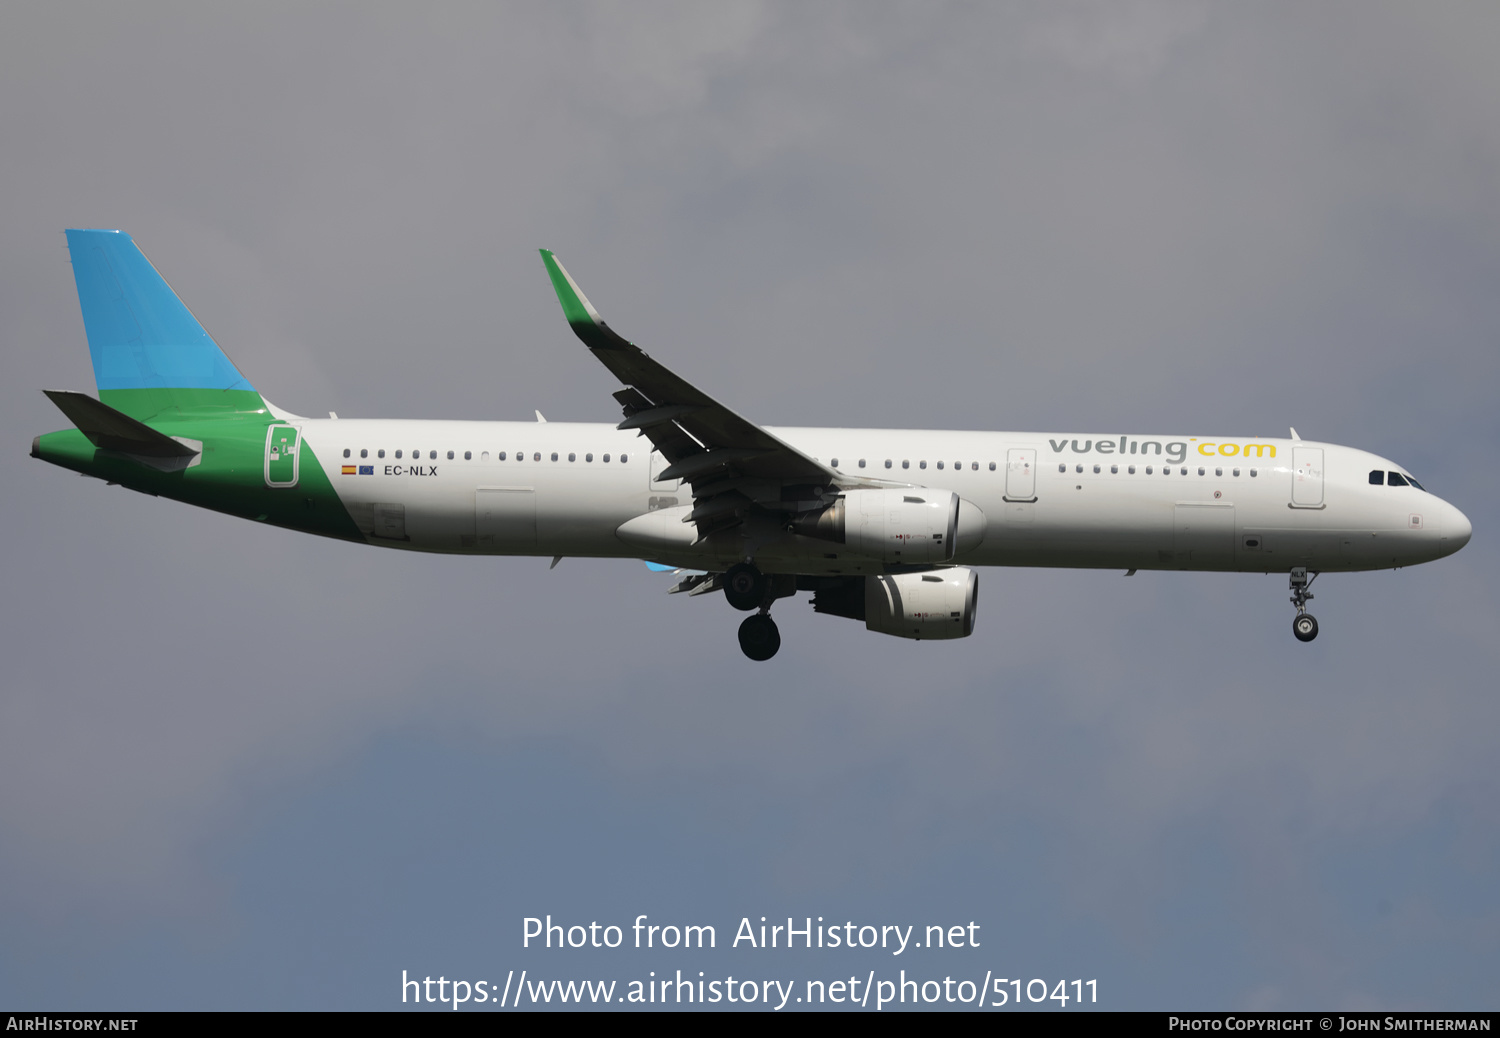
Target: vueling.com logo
1175, 451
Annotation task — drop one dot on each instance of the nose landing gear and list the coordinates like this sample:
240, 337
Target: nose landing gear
1305, 625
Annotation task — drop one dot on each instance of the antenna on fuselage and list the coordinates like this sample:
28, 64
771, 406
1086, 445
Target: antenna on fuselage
1294, 432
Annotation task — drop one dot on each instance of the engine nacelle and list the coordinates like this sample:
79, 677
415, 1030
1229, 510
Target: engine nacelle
923, 605
914, 527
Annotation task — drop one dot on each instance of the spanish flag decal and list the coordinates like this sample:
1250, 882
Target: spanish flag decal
349, 470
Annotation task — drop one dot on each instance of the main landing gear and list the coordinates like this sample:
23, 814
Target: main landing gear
746, 588
759, 637
1305, 626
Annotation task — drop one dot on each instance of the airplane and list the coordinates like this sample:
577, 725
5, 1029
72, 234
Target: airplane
883, 526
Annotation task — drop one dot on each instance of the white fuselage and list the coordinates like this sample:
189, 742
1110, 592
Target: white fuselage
1116, 501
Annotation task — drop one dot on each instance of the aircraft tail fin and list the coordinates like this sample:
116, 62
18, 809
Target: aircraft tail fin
150, 353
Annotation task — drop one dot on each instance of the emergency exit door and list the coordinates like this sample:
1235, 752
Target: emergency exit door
1020, 474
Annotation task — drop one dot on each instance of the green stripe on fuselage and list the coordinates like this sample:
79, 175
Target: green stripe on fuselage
230, 474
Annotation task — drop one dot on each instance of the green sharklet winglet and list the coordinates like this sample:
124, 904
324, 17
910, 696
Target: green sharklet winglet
582, 317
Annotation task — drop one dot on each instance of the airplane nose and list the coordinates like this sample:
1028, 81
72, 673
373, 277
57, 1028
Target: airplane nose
1456, 529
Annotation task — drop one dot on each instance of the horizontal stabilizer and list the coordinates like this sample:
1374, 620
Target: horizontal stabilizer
108, 429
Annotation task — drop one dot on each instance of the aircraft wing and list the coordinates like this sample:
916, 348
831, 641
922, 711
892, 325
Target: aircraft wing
732, 464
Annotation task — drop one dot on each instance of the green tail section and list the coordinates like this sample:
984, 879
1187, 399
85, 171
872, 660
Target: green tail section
175, 417
232, 469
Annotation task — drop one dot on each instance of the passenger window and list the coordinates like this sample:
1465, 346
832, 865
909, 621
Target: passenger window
432, 455
974, 466
992, 466
861, 462
1202, 471
450, 455
364, 453
1254, 473
923, 464
1114, 469
1062, 468
554, 455
468, 456
958, 464
605, 458
588, 457
1396, 480
1184, 472
1218, 472
1236, 473
1148, 470
537, 456
572, 456
834, 463
346, 454
906, 464
500, 456
1096, 470
398, 455
380, 454
624, 458
1080, 468
887, 462
1131, 470
485, 456
940, 465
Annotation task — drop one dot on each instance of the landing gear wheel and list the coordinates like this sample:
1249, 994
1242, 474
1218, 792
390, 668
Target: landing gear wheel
1304, 626
759, 638
745, 588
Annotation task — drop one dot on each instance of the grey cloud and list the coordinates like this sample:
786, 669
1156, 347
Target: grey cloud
983, 217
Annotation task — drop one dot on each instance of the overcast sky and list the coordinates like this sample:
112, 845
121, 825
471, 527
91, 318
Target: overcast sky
245, 768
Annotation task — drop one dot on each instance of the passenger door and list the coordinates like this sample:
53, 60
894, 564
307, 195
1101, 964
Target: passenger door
282, 455
1307, 477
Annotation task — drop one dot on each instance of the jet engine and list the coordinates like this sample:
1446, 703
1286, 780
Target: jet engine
905, 526
937, 604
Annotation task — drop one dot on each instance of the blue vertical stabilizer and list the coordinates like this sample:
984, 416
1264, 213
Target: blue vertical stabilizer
140, 334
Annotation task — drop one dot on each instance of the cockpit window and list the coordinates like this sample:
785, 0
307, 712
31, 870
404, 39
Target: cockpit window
1396, 480
1377, 477
1414, 483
